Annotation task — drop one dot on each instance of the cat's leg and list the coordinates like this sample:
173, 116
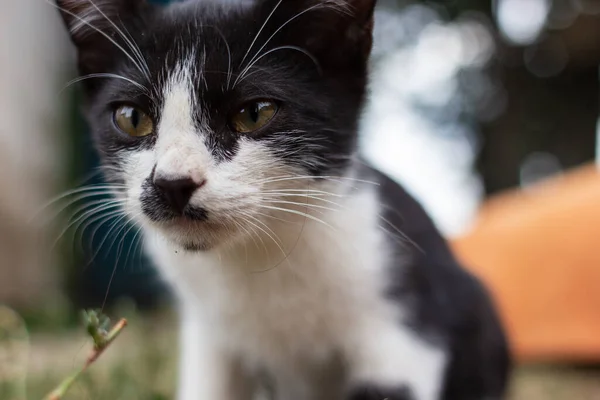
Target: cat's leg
206, 370
389, 361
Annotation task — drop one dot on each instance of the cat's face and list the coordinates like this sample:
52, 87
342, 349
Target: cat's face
214, 117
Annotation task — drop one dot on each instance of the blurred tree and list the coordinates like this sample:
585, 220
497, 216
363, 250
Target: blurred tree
551, 86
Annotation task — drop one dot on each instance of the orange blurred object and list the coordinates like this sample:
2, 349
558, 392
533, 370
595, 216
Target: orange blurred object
538, 250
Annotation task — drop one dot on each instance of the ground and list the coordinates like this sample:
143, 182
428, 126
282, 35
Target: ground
141, 365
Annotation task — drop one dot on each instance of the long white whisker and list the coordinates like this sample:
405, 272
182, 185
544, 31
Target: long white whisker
110, 217
134, 241
120, 220
229, 70
85, 215
306, 205
89, 188
277, 243
310, 177
281, 27
129, 43
242, 76
243, 228
103, 205
83, 21
400, 233
70, 202
246, 220
103, 218
297, 213
314, 196
108, 76
260, 31
119, 251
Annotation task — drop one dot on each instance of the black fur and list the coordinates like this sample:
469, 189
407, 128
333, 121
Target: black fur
368, 392
319, 80
449, 305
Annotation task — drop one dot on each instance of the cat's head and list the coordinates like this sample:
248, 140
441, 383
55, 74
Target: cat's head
213, 115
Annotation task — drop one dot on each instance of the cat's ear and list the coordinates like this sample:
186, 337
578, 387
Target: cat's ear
95, 27
88, 18
330, 29
354, 20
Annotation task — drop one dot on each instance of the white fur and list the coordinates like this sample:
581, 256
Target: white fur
279, 291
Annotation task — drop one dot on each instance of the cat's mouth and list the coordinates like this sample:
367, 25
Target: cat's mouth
192, 234
191, 227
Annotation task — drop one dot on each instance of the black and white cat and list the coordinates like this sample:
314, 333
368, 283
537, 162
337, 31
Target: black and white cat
230, 133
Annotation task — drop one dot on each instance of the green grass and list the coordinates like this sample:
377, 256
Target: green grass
141, 365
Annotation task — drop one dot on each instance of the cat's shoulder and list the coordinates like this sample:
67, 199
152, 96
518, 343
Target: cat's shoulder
424, 267
399, 210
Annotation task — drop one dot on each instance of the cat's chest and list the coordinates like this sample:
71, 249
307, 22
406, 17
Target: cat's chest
301, 301
299, 309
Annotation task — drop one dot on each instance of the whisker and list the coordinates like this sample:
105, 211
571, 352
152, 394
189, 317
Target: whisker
260, 31
84, 216
70, 202
114, 271
277, 243
84, 22
104, 75
307, 205
310, 177
243, 228
229, 70
79, 190
244, 218
133, 48
117, 217
314, 196
103, 218
281, 27
122, 219
297, 213
242, 75
103, 203
134, 241
399, 234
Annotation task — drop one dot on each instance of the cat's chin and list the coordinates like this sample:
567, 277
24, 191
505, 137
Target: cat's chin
192, 244
195, 247
193, 236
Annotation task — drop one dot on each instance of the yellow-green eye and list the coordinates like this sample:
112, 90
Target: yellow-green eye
253, 116
133, 121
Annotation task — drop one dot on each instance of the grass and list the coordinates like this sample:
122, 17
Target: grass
141, 365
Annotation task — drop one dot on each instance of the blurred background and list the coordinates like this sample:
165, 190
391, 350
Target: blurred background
486, 110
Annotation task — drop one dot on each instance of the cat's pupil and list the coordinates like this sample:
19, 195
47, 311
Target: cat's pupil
254, 111
135, 118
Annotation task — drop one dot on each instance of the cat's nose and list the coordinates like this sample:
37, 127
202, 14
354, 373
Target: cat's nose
177, 192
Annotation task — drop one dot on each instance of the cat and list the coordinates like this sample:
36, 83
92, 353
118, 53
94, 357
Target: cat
229, 132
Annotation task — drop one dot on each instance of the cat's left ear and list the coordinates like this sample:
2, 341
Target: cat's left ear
329, 29
93, 24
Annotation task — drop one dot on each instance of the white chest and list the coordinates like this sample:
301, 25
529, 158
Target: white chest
291, 308
298, 298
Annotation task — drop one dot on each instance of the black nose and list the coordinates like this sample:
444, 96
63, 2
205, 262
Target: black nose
177, 192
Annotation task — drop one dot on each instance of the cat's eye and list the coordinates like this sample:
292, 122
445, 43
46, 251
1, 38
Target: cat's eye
133, 121
253, 116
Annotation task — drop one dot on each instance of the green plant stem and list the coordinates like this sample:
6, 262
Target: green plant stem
101, 342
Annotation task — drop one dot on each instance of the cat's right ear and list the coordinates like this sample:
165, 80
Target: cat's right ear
94, 26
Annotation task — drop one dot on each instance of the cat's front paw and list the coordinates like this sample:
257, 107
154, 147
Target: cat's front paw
373, 392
